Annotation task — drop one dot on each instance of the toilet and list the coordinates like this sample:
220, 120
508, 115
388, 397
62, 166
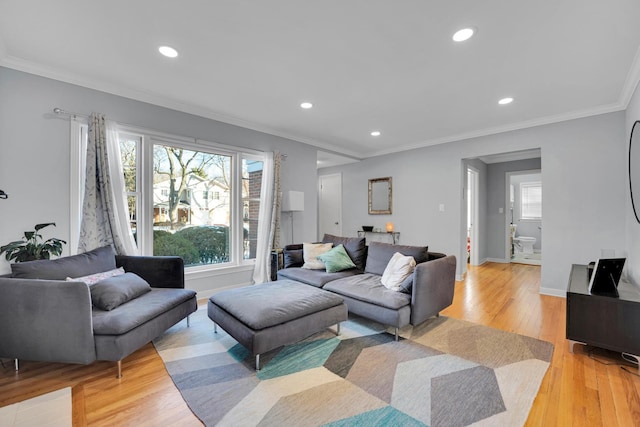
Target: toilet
523, 244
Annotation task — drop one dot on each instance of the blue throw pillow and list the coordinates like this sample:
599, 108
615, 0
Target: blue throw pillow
336, 259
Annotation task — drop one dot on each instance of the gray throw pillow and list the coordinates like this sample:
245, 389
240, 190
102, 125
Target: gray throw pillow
293, 258
379, 255
115, 291
95, 261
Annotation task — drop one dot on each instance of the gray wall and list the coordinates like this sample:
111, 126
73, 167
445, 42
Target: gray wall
496, 193
583, 164
632, 266
35, 152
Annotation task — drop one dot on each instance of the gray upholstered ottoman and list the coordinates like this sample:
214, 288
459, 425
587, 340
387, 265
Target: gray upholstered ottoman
269, 315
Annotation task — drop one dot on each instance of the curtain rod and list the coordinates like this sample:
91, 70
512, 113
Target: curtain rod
61, 112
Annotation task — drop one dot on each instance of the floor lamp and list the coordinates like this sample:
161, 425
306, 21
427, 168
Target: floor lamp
293, 201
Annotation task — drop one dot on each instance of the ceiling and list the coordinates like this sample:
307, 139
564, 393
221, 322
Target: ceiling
365, 65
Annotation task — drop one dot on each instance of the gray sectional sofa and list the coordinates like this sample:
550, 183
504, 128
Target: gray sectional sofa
45, 317
426, 292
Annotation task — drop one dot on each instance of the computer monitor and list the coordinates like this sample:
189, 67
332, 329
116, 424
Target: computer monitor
605, 277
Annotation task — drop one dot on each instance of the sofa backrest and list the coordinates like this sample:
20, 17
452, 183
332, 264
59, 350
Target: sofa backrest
95, 261
379, 255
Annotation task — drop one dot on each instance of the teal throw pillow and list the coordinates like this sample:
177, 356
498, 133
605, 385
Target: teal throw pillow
336, 259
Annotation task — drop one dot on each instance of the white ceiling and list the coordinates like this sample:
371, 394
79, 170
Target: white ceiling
364, 64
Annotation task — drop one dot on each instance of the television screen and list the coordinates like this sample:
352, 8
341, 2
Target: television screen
605, 277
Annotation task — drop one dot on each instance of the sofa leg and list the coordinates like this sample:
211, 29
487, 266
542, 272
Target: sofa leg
396, 334
119, 369
15, 364
257, 362
338, 329
188, 321
215, 328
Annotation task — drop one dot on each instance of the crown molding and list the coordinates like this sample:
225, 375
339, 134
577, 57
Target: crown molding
152, 98
631, 82
604, 109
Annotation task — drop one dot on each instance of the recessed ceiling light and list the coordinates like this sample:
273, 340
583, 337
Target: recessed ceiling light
463, 34
505, 101
306, 105
167, 51
375, 133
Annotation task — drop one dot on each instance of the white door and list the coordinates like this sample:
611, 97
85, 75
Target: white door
330, 205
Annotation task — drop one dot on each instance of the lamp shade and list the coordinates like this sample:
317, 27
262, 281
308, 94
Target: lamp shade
293, 201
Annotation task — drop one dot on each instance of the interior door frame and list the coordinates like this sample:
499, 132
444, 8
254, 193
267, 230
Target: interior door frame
320, 194
507, 197
473, 176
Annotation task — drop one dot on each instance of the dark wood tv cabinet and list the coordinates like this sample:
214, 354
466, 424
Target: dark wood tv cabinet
601, 321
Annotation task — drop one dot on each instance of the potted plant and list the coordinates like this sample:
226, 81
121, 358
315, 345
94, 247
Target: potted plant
32, 247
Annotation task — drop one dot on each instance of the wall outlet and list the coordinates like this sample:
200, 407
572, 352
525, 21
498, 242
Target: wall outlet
441, 207
500, 210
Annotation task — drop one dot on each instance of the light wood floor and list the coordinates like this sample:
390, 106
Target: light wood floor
577, 389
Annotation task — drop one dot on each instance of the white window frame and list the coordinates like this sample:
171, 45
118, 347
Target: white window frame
149, 138
78, 130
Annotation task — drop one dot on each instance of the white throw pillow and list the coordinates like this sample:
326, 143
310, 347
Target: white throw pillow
310, 252
94, 278
397, 270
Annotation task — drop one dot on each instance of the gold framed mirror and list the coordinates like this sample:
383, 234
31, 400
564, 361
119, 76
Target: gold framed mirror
380, 196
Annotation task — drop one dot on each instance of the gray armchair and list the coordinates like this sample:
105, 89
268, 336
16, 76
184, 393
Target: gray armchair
53, 320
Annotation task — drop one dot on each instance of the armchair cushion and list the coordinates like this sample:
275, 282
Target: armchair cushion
116, 290
95, 261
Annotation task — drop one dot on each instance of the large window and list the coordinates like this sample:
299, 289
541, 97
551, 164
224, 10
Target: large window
194, 199
181, 216
531, 200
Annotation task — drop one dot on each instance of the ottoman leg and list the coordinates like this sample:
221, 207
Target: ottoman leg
257, 362
215, 328
338, 329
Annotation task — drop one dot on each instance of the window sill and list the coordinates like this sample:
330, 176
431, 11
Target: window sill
210, 271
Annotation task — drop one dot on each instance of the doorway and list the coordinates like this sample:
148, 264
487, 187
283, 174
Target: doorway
523, 222
330, 205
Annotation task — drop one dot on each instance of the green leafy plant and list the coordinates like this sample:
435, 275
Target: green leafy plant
31, 247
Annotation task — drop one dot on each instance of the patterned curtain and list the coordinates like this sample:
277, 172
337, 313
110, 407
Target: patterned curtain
268, 218
105, 214
277, 202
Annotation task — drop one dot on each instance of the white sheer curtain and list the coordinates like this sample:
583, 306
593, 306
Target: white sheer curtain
105, 213
268, 219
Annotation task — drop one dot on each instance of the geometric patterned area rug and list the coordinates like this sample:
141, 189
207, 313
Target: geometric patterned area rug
445, 372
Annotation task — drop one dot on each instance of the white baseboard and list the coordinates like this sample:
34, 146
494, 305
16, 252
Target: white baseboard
498, 260
553, 292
